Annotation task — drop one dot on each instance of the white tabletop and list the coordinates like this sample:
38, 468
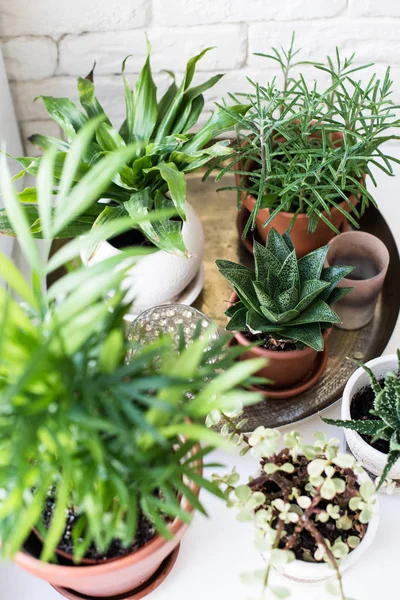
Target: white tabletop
216, 550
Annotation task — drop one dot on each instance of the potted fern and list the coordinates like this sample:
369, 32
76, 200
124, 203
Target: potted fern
371, 417
100, 455
304, 151
283, 306
313, 508
152, 179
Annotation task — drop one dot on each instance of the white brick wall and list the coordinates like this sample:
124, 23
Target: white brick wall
48, 43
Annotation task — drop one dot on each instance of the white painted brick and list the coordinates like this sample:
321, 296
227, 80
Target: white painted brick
109, 90
374, 8
30, 58
28, 128
52, 17
371, 40
171, 49
189, 12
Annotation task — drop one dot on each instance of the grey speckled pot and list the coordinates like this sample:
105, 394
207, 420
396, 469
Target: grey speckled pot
372, 257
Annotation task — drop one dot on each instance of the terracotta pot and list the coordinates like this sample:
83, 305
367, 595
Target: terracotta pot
370, 257
303, 241
284, 369
114, 577
373, 460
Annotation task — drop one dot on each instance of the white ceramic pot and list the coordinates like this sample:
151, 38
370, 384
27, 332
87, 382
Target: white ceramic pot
161, 277
306, 572
373, 460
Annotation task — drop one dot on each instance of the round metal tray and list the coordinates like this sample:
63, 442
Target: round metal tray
218, 213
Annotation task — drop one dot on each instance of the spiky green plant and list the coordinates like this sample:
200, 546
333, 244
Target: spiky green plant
76, 421
153, 178
385, 421
284, 297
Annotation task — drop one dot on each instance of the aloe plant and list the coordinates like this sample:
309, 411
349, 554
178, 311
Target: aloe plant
386, 412
284, 297
153, 178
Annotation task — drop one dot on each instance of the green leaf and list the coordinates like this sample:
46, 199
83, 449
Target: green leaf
263, 297
58, 519
363, 427
13, 277
88, 98
333, 275
176, 182
65, 113
145, 103
278, 247
308, 334
219, 122
108, 139
392, 458
317, 312
264, 261
45, 142
242, 280
309, 291
310, 266
45, 191
385, 403
128, 126
17, 217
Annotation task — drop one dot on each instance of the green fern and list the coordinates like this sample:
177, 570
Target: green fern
285, 296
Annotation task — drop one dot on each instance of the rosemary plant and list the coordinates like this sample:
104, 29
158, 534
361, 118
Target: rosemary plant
306, 149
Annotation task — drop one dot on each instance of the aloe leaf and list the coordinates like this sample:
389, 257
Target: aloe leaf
258, 323
288, 273
176, 182
145, 101
366, 427
288, 299
277, 246
233, 308
317, 312
308, 334
241, 279
264, 261
339, 293
310, 290
264, 298
237, 321
385, 403
333, 275
310, 266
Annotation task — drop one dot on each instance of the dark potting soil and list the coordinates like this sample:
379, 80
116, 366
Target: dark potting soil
361, 405
270, 343
133, 237
304, 545
145, 533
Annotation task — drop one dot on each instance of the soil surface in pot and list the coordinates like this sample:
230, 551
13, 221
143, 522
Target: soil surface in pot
133, 237
304, 544
145, 533
270, 343
361, 405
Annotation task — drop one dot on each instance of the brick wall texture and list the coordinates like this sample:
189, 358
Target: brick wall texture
48, 43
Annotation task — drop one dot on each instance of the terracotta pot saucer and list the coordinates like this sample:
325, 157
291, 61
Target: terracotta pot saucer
241, 221
310, 379
140, 592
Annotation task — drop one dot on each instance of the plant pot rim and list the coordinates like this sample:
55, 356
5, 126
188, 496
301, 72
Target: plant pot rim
292, 354
346, 393
364, 234
40, 568
321, 570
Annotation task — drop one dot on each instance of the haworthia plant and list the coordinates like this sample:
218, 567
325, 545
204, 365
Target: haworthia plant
387, 409
284, 297
153, 177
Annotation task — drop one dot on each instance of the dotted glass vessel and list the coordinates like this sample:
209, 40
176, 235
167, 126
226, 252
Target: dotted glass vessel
170, 319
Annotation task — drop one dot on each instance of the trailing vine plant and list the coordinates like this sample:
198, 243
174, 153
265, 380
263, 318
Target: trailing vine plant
305, 503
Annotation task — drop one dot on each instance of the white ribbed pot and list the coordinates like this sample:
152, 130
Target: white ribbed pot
373, 460
161, 277
301, 571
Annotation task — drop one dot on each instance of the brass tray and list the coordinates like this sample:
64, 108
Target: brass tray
218, 214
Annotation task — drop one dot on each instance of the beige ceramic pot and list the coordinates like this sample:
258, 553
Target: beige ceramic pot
370, 257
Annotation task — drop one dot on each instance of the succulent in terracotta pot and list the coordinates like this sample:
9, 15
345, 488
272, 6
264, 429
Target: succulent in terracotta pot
314, 509
285, 304
152, 181
304, 149
371, 416
99, 454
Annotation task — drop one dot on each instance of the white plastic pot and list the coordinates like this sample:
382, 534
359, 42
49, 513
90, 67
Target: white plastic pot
301, 571
373, 460
161, 277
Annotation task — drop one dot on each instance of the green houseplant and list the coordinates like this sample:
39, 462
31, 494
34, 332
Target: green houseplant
152, 179
371, 417
313, 508
88, 438
304, 150
285, 304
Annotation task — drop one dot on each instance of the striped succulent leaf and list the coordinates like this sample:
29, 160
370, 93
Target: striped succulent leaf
284, 296
386, 424
165, 149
